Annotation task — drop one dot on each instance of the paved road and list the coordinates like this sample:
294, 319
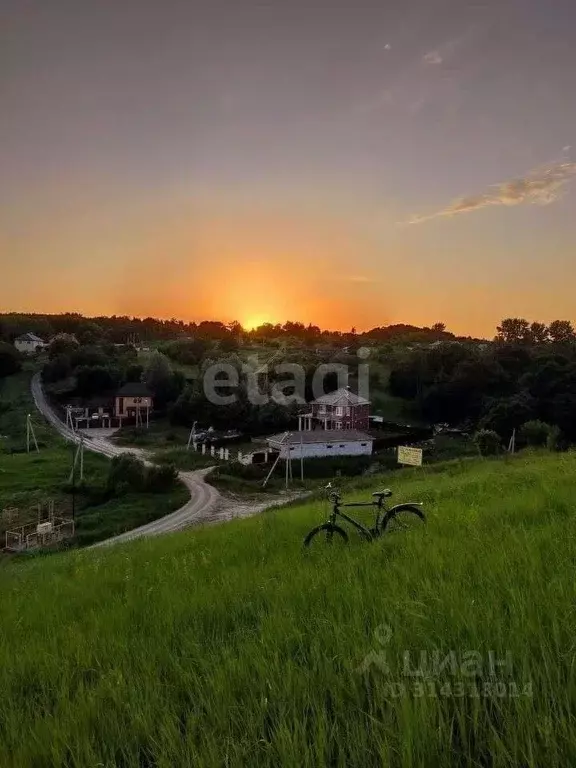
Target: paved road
205, 503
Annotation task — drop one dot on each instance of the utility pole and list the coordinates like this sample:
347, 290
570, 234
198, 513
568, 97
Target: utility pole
30, 434
73, 484
191, 435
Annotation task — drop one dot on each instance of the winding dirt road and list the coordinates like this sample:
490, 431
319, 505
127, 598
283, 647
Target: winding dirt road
205, 501
206, 504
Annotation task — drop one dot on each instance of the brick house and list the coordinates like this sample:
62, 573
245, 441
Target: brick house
342, 410
133, 401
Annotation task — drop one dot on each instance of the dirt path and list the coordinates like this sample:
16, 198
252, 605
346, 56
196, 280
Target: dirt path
206, 504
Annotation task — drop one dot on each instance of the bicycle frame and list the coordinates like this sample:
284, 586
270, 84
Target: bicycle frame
366, 532
383, 514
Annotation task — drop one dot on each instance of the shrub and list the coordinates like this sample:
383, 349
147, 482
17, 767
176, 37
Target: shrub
534, 433
488, 442
554, 439
161, 479
10, 360
126, 473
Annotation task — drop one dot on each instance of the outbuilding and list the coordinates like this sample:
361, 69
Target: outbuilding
320, 443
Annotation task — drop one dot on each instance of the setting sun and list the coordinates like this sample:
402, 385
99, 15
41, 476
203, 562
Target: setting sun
254, 321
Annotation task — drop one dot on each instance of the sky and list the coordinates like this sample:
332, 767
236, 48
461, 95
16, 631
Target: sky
346, 163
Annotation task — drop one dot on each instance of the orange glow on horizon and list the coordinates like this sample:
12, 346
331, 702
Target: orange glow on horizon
255, 321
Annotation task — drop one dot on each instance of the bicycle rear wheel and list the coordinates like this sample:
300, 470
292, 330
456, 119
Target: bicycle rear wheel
403, 518
327, 533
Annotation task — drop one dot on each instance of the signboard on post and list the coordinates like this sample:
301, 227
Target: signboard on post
412, 456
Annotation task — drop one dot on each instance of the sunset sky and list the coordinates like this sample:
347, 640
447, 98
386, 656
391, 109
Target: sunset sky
346, 163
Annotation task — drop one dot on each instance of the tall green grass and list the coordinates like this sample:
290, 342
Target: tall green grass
228, 646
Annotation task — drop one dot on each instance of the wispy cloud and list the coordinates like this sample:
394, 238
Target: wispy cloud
541, 186
433, 57
431, 78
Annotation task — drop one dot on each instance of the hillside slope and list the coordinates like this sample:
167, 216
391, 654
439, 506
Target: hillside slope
228, 646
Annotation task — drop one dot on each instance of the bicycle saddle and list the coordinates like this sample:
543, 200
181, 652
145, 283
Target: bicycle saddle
383, 494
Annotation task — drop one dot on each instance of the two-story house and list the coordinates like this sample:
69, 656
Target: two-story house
133, 401
341, 410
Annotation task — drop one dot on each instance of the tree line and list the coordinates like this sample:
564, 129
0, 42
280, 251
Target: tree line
527, 374
123, 329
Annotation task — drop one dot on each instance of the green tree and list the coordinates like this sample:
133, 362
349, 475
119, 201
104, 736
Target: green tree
488, 442
538, 333
509, 413
165, 384
514, 330
158, 372
561, 331
62, 344
89, 333
96, 379
10, 360
534, 433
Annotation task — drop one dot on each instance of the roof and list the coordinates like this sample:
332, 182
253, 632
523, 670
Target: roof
134, 389
342, 395
321, 436
30, 337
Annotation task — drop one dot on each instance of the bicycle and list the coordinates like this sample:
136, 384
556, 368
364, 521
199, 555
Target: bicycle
401, 516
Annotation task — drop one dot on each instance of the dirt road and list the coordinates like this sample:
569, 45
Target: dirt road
206, 504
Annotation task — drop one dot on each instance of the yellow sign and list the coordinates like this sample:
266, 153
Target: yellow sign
408, 455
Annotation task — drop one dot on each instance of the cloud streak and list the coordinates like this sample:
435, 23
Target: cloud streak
541, 186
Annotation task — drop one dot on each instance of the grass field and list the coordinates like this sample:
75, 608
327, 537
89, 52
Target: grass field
227, 646
27, 479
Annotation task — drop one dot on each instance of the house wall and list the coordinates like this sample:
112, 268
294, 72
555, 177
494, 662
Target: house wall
322, 450
27, 347
126, 404
348, 417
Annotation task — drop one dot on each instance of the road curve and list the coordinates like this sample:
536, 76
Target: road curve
204, 498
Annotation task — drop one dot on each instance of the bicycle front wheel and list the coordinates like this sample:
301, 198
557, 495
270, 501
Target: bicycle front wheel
327, 533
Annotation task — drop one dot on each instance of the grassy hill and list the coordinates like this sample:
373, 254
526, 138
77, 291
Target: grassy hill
227, 646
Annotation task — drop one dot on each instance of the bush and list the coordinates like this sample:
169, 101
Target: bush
126, 473
488, 442
56, 369
554, 439
10, 360
534, 433
161, 479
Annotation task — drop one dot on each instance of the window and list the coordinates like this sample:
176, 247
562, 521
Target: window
342, 445
329, 446
363, 445
322, 409
339, 410
347, 411
338, 425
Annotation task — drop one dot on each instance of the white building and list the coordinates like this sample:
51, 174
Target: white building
29, 343
320, 443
